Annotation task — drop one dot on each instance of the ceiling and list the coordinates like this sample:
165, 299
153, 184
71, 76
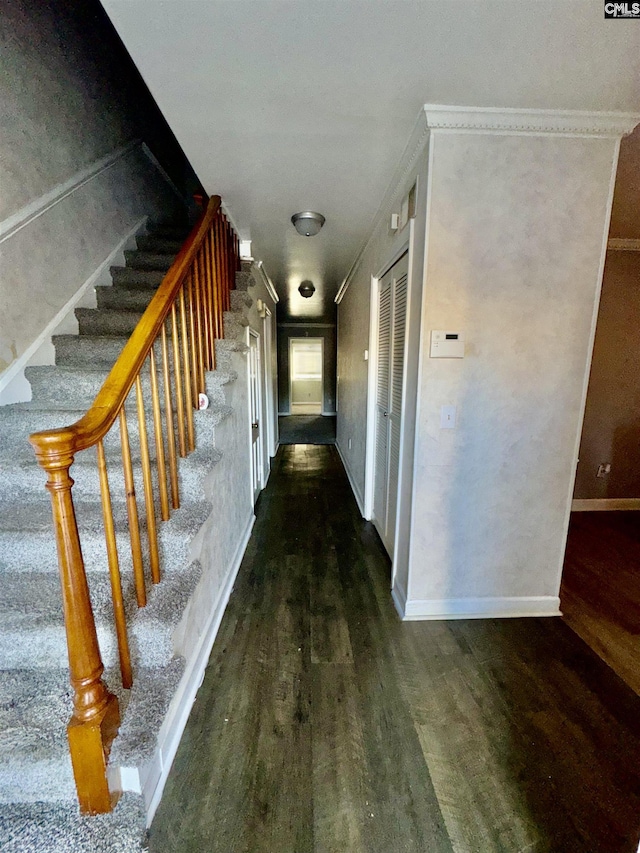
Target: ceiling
289, 105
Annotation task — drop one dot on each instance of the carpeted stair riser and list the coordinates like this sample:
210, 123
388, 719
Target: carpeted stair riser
22, 420
124, 297
136, 278
153, 243
26, 471
174, 537
32, 634
139, 260
86, 351
78, 387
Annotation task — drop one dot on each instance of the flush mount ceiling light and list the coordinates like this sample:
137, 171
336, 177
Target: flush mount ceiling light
308, 223
306, 289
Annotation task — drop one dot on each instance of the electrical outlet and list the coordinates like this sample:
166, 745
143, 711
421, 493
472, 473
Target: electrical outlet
604, 469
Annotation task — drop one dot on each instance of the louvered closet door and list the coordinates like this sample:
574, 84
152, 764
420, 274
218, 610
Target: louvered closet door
391, 341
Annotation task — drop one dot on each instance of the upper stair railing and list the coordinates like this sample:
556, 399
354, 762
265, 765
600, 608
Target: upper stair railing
174, 338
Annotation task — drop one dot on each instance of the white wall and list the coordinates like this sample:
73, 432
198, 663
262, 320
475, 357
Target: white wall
515, 239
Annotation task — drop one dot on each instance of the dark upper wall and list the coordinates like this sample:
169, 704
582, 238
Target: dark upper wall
70, 94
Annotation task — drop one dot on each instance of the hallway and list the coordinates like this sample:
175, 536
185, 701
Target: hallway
325, 724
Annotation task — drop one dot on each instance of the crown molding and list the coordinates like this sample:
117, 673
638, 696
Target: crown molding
624, 244
271, 290
530, 122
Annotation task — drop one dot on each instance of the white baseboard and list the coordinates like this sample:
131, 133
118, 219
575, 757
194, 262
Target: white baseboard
14, 388
480, 608
604, 504
399, 597
354, 488
173, 726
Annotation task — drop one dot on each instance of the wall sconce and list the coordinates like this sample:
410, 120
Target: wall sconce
308, 223
306, 289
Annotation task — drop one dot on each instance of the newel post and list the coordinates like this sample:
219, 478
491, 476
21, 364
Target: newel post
96, 716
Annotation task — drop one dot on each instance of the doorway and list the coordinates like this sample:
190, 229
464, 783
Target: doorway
306, 385
255, 413
389, 376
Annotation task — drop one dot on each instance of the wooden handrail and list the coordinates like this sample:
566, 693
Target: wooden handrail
92, 427
188, 306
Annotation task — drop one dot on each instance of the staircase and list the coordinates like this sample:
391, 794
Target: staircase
38, 803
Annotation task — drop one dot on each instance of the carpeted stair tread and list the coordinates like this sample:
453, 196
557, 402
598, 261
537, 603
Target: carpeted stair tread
143, 260
34, 752
59, 828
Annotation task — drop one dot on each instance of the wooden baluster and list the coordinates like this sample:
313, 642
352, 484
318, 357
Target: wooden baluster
187, 374
210, 309
197, 288
175, 340
220, 276
96, 714
171, 433
230, 272
193, 352
204, 325
154, 559
114, 571
159, 439
206, 301
132, 512
215, 286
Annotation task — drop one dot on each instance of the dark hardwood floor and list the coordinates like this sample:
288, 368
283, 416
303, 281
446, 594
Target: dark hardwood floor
325, 724
600, 593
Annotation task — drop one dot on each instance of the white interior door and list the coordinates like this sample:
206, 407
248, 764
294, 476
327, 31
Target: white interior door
306, 376
392, 312
255, 413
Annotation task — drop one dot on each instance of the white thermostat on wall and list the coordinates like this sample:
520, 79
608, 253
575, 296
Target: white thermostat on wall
447, 344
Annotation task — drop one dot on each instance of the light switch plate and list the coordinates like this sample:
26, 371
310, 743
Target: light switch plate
448, 417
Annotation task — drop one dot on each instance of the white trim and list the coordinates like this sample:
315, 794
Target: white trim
481, 608
154, 160
623, 244
267, 282
182, 702
587, 367
413, 149
352, 482
26, 215
604, 504
370, 437
532, 122
399, 597
12, 373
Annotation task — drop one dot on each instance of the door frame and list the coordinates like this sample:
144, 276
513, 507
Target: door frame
306, 340
251, 333
267, 346
405, 247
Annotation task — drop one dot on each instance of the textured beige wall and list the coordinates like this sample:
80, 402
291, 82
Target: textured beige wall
611, 431
515, 239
